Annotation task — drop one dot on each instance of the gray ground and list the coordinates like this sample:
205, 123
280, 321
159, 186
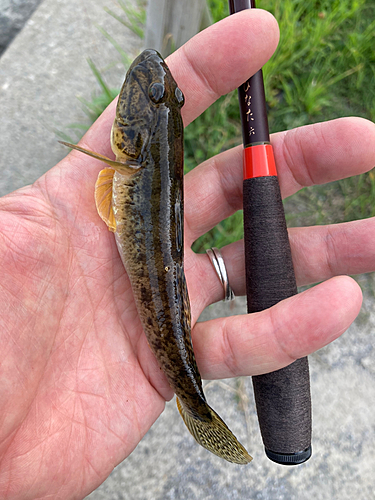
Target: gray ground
41, 73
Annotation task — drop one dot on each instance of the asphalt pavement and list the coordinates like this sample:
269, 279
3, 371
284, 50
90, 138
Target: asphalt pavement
41, 74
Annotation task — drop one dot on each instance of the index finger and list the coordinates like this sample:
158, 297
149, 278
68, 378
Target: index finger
211, 65
207, 67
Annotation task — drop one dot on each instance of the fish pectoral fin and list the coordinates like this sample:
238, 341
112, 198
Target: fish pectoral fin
124, 167
103, 197
214, 435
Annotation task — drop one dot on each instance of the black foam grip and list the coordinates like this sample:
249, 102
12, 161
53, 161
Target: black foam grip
282, 397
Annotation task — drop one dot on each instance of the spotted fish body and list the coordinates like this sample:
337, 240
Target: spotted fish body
146, 213
148, 210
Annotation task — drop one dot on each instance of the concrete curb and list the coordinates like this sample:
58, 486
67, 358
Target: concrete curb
13, 16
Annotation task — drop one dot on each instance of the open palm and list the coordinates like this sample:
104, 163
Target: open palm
79, 386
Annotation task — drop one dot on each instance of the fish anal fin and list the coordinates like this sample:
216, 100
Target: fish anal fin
214, 435
103, 197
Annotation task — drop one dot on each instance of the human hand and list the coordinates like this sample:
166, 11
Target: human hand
80, 386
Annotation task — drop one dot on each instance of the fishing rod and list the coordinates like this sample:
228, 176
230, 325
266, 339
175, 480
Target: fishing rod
282, 397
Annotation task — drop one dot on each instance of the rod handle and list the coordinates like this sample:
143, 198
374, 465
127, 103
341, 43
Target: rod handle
282, 397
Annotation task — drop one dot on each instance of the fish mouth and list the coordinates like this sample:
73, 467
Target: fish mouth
146, 54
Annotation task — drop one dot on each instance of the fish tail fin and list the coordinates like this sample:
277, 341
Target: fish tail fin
214, 435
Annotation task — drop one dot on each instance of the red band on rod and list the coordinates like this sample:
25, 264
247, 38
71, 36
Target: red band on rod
258, 161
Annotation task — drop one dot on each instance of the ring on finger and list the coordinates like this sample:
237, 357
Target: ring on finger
217, 261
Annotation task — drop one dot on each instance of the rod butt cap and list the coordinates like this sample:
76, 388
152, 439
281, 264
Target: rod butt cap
289, 458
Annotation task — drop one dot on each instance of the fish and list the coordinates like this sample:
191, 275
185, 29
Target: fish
140, 198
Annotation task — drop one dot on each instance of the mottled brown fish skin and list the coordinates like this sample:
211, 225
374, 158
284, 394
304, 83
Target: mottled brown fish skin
148, 209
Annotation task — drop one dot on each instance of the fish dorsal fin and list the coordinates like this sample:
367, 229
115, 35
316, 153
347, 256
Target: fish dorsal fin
128, 166
103, 197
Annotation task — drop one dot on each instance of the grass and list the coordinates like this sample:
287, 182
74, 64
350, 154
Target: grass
323, 68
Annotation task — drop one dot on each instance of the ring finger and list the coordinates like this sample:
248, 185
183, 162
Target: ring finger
319, 253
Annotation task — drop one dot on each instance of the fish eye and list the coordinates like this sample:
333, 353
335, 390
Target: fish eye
156, 92
179, 96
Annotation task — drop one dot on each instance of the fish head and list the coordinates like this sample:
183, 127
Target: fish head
148, 86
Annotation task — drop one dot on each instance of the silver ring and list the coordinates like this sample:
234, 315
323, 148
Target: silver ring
218, 262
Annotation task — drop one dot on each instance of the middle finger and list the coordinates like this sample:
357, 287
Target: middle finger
313, 154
